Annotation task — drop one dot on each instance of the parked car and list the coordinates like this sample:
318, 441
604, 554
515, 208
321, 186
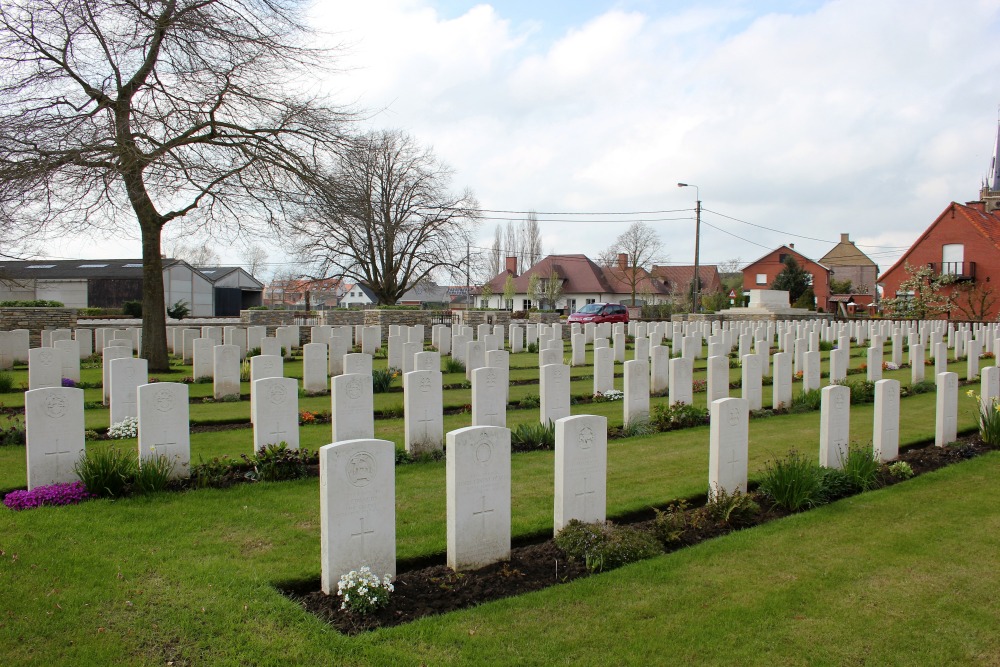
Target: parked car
600, 312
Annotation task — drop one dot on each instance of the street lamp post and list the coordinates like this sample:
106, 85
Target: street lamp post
697, 241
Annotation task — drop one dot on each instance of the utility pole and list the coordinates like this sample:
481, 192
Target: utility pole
468, 280
697, 241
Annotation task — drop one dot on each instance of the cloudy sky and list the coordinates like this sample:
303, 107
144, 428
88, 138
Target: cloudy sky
806, 117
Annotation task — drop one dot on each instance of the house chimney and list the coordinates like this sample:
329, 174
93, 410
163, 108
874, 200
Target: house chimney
512, 265
845, 238
792, 246
623, 260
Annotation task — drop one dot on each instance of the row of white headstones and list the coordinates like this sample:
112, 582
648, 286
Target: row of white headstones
352, 400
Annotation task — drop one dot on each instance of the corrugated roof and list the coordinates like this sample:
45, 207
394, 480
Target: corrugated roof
77, 269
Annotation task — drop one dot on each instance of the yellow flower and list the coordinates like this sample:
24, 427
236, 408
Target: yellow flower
970, 394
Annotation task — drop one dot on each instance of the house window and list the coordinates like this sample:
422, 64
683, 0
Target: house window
510, 304
952, 258
571, 305
782, 257
761, 278
591, 300
484, 303
527, 304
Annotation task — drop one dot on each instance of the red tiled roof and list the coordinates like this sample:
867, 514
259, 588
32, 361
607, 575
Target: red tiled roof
682, 276
581, 275
987, 224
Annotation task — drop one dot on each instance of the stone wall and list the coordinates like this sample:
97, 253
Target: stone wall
543, 318
278, 318
384, 318
473, 318
343, 316
37, 319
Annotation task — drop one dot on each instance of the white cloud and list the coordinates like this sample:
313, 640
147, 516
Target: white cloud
855, 117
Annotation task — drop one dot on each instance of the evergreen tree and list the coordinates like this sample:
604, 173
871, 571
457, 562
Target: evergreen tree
793, 279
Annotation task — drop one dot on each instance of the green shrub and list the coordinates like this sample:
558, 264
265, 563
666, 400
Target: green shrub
901, 470
674, 524
637, 427
678, 415
453, 365
529, 401
154, 473
31, 303
245, 368
6, 382
533, 348
107, 471
826, 346
13, 433
605, 546
275, 463
179, 310
533, 436
257, 308
988, 418
861, 470
132, 308
214, 472
807, 401
794, 483
922, 387
862, 391
733, 509
382, 379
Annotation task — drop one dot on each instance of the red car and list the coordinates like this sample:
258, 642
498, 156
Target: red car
600, 312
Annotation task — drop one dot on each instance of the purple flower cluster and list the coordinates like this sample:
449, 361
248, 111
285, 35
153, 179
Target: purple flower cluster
67, 382
69, 493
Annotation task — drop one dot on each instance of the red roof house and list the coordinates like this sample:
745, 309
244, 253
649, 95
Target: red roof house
964, 244
761, 273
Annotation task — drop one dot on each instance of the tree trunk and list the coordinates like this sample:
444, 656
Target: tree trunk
154, 318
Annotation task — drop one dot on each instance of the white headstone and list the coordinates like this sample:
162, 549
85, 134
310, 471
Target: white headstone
728, 449
581, 470
69, 353
478, 496
226, 371
834, 425
946, 415
53, 424
660, 368
422, 411
554, 392
810, 373
636, 400
885, 435
126, 376
604, 370
717, 387
680, 382
163, 423
315, 367
276, 412
203, 350
489, 397
263, 366
352, 407
357, 480
45, 368
750, 382
359, 362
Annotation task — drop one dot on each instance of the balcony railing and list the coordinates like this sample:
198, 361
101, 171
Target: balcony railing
956, 270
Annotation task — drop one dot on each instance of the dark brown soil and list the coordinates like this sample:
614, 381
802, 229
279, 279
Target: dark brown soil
427, 591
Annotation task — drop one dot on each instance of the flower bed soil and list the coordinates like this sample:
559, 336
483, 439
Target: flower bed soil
427, 591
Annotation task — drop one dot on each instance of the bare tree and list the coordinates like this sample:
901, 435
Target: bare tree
255, 260
197, 255
531, 241
118, 112
496, 250
385, 217
640, 245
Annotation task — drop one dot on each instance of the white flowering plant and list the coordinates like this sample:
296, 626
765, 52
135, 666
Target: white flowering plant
363, 592
126, 428
609, 395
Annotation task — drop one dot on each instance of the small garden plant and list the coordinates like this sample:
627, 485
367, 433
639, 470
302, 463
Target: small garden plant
605, 546
362, 592
989, 418
126, 428
69, 493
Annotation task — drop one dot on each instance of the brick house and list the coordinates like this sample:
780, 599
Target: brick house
761, 273
963, 243
848, 262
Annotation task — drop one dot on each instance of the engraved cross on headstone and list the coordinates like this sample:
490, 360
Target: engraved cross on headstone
58, 454
278, 432
482, 513
362, 532
586, 494
427, 419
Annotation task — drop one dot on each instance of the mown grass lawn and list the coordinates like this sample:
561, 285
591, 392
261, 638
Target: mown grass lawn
900, 576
